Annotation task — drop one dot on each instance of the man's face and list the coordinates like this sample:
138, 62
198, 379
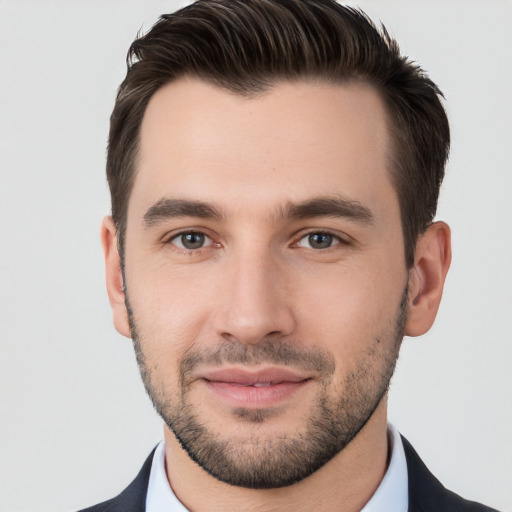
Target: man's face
265, 273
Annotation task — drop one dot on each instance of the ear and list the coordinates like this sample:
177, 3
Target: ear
114, 277
426, 279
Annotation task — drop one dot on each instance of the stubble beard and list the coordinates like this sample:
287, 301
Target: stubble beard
259, 462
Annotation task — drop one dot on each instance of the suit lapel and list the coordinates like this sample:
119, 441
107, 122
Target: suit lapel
427, 494
133, 498
424, 488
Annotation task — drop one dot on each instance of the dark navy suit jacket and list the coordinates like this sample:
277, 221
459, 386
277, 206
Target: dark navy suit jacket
426, 493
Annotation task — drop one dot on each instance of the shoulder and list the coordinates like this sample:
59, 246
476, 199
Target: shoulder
426, 493
133, 498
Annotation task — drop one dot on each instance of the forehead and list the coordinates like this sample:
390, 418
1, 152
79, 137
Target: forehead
298, 139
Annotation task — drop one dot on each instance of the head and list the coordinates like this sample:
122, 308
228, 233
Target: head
274, 169
248, 47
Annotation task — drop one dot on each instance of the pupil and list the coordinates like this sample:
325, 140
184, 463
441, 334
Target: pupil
192, 240
320, 240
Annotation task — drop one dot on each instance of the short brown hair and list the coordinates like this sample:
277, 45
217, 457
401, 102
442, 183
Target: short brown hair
246, 46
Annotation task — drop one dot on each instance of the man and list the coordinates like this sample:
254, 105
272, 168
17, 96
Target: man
274, 167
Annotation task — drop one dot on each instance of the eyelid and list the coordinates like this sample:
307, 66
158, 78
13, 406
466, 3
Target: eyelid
207, 239
170, 239
341, 238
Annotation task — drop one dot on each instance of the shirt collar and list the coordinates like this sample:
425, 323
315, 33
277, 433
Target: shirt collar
392, 493
160, 496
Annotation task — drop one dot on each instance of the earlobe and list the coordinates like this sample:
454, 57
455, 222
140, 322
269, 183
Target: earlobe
427, 277
114, 277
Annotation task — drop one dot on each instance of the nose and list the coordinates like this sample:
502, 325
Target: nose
253, 304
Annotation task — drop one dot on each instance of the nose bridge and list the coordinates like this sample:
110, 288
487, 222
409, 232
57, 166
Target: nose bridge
254, 305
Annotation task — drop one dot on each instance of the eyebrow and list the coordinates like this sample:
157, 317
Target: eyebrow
172, 208
336, 207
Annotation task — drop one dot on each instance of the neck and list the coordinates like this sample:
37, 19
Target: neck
345, 483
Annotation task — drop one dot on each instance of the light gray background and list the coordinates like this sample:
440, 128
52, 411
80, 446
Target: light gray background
75, 424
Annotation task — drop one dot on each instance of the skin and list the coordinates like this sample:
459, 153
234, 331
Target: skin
258, 278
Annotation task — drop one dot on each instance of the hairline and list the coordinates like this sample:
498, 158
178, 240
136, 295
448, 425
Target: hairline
270, 83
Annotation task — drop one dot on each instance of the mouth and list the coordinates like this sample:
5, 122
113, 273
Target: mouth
257, 384
261, 388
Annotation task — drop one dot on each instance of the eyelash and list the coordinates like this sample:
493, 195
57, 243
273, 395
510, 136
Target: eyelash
170, 241
339, 241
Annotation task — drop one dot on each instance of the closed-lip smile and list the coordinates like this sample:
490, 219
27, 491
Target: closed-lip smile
253, 388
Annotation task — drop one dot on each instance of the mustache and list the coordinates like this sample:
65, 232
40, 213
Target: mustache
269, 352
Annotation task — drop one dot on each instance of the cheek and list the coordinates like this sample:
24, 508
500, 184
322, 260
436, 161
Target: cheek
170, 310
346, 309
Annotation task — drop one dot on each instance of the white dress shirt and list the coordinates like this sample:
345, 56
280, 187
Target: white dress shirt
392, 493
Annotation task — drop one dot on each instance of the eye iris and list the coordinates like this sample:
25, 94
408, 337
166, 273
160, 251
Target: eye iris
192, 240
320, 240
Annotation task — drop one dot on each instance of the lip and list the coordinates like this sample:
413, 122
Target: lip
260, 388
